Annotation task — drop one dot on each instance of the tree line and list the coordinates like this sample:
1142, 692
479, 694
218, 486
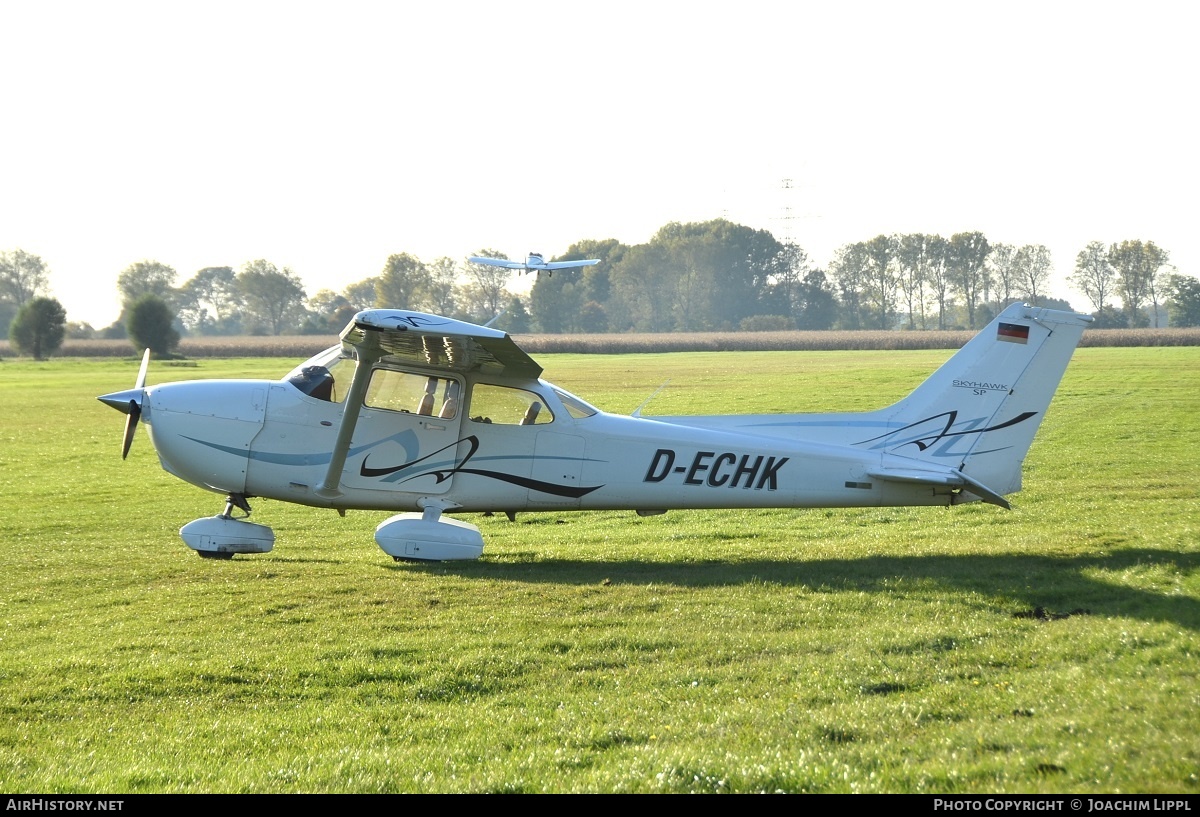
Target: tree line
706, 276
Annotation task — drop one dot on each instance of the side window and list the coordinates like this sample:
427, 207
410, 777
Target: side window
500, 404
413, 393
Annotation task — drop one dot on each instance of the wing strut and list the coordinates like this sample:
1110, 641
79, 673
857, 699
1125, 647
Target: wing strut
367, 353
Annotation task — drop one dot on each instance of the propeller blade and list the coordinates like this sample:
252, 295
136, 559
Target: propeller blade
135, 406
131, 421
141, 378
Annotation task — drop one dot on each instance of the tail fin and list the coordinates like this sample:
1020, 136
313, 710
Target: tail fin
971, 423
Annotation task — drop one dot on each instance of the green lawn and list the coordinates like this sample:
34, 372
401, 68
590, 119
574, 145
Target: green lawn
1051, 648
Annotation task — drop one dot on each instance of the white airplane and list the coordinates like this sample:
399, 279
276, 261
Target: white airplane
427, 416
534, 262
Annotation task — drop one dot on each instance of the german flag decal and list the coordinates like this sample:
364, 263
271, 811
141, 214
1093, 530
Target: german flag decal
1013, 333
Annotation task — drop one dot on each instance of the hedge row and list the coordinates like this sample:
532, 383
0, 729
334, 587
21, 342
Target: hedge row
303, 346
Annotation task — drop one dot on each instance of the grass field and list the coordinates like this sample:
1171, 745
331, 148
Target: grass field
1052, 648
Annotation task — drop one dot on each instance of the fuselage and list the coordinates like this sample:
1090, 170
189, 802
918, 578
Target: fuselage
272, 439
422, 415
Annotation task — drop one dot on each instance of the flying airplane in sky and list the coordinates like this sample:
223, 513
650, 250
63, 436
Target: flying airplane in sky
430, 416
534, 262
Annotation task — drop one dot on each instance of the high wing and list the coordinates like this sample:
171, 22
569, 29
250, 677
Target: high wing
426, 340
431, 340
499, 262
553, 265
533, 263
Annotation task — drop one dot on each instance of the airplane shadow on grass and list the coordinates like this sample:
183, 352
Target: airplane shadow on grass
1037, 587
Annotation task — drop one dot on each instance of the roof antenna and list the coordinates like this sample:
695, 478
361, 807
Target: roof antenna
499, 315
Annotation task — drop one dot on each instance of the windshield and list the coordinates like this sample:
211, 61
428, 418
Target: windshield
574, 406
325, 376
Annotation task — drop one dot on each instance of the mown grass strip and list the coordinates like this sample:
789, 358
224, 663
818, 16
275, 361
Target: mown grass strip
1052, 648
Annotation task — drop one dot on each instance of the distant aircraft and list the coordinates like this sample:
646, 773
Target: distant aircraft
534, 262
428, 416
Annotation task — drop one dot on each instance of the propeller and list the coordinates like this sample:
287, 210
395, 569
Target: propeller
130, 404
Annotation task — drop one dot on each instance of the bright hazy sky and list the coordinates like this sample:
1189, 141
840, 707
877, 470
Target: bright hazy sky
325, 136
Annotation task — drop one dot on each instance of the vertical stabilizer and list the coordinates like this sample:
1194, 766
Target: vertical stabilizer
978, 413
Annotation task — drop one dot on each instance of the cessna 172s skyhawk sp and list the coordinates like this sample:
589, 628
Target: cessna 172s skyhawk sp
428, 415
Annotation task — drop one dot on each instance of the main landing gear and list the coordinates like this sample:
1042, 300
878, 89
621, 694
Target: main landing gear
221, 536
429, 536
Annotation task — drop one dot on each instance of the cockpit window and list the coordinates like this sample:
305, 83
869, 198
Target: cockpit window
325, 376
500, 404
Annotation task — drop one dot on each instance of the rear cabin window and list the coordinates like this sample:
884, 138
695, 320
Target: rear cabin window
507, 406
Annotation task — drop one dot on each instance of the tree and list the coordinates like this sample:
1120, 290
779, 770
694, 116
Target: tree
23, 276
968, 254
443, 277
937, 274
207, 302
554, 303
640, 302
745, 262
593, 318
361, 295
688, 277
849, 271
329, 311
881, 278
403, 284
38, 328
271, 298
7, 313
577, 300
486, 291
1094, 274
692, 271
594, 282
1156, 289
912, 264
150, 322
146, 278
788, 269
1003, 265
1033, 268
1136, 263
719, 271
1108, 317
516, 317
1183, 300
817, 306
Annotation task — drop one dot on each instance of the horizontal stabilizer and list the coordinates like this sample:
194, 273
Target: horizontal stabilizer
950, 477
